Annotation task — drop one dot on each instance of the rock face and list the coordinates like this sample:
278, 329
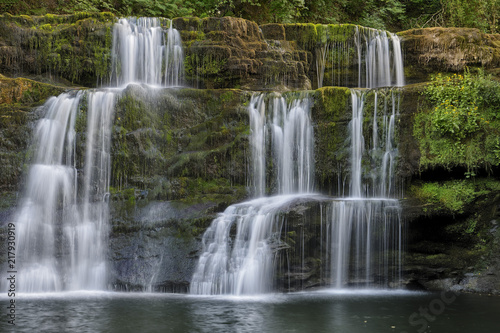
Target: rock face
72, 48
18, 98
448, 49
230, 52
180, 156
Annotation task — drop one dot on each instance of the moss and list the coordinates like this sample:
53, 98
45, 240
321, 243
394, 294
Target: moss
273, 31
18, 97
453, 197
330, 113
207, 66
73, 47
335, 32
447, 49
172, 142
330, 103
25, 91
305, 34
475, 146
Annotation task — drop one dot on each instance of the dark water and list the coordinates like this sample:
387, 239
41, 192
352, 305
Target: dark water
322, 311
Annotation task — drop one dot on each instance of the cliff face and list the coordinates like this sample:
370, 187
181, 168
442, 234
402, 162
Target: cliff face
434, 50
180, 156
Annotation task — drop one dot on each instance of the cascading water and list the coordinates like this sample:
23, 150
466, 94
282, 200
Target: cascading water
63, 218
287, 129
366, 228
377, 54
142, 54
362, 233
246, 265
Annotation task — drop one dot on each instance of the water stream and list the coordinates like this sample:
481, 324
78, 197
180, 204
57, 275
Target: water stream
63, 216
376, 53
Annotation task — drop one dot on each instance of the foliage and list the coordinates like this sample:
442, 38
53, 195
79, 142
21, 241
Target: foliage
457, 113
481, 14
455, 195
452, 196
461, 128
382, 14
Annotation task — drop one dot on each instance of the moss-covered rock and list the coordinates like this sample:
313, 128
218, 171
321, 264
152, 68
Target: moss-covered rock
232, 53
447, 49
180, 144
18, 97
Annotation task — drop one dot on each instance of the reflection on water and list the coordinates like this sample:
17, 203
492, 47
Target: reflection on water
321, 311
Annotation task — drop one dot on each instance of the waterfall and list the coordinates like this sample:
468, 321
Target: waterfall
377, 54
286, 130
63, 216
357, 142
365, 236
245, 265
62, 219
372, 168
141, 53
366, 231
362, 233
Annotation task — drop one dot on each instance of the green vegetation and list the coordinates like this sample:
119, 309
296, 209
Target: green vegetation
454, 196
382, 14
64, 46
462, 123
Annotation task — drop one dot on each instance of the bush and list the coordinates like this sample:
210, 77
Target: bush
462, 124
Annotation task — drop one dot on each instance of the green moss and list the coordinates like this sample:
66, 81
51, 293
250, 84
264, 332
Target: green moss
454, 196
173, 142
74, 47
335, 32
206, 68
330, 114
330, 103
304, 34
309, 35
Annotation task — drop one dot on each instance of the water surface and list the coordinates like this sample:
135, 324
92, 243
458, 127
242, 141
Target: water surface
320, 311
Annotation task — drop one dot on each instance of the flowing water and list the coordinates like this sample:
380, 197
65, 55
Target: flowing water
142, 54
283, 133
62, 219
363, 234
63, 216
371, 59
246, 264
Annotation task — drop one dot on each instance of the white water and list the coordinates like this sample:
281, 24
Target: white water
63, 216
365, 241
62, 220
142, 54
285, 133
362, 233
373, 165
378, 56
245, 265
366, 228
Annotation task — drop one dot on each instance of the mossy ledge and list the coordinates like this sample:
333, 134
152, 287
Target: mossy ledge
432, 50
74, 49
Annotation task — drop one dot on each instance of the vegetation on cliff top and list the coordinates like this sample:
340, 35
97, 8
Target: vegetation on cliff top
461, 124
385, 14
